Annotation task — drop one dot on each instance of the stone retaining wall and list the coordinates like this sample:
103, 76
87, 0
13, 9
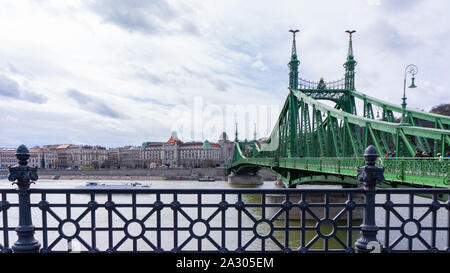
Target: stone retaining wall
138, 174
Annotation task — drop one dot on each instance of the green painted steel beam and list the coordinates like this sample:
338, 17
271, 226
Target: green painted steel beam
374, 139
396, 108
376, 124
406, 142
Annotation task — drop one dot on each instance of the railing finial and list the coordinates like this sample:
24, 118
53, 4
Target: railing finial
25, 175
369, 175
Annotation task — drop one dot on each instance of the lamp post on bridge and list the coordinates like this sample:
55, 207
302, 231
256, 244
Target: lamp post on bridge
412, 70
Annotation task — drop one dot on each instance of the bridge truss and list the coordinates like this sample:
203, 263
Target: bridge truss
315, 142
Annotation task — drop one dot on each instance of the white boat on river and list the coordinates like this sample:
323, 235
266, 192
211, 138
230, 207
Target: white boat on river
97, 185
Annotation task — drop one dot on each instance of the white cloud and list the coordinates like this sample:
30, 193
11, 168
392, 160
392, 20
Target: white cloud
260, 65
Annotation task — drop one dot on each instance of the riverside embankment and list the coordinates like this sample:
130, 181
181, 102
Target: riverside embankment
137, 174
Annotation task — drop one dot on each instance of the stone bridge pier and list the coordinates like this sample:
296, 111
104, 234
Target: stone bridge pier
245, 179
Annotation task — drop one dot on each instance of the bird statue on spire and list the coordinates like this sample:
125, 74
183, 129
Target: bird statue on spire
350, 32
294, 31
294, 47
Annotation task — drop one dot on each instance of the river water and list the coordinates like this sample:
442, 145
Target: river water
232, 241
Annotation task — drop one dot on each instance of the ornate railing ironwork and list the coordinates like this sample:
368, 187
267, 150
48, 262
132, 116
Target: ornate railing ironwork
224, 220
314, 85
431, 172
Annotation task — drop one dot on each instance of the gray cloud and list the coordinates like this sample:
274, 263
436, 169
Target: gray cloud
172, 76
148, 17
389, 37
8, 87
218, 84
395, 6
11, 89
154, 101
93, 104
143, 74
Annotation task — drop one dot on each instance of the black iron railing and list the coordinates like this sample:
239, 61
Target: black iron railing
223, 220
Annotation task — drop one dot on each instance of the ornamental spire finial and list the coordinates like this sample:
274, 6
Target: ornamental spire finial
350, 64
350, 45
293, 63
294, 46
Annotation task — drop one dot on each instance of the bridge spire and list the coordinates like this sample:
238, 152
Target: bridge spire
350, 64
294, 63
293, 102
236, 133
350, 44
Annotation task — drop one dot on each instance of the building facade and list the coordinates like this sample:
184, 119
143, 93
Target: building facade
227, 148
112, 160
7, 158
86, 156
77, 156
129, 157
39, 157
172, 153
175, 153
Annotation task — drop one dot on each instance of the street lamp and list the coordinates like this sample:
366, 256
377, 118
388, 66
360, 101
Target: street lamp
412, 70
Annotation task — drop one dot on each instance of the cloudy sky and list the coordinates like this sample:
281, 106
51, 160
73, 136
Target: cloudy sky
114, 72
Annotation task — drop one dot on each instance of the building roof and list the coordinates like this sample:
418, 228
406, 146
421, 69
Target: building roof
63, 146
199, 144
174, 139
193, 144
51, 146
151, 143
215, 145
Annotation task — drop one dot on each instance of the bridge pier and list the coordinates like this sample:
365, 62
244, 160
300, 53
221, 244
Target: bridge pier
245, 179
295, 213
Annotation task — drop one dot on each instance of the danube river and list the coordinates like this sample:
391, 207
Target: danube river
167, 220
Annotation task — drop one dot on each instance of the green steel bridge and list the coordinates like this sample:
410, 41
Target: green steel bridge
313, 142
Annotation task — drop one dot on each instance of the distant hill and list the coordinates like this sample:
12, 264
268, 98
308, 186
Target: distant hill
441, 109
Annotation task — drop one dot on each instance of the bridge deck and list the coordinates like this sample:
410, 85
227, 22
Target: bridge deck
421, 172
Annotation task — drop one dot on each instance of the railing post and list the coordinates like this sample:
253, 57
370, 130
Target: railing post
25, 175
369, 175
402, 170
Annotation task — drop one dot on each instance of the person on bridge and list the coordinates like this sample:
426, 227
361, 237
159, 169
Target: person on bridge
321, 84
418, 153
